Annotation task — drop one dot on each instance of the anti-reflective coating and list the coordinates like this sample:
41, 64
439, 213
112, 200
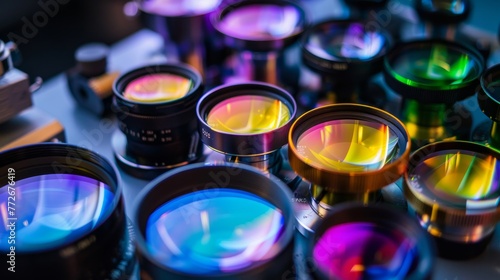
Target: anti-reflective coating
364, 250
339, 42
214, 231
159, 87
248, 114
348, 145
53, 210
451, 176
434, 65
174, 8
259, 22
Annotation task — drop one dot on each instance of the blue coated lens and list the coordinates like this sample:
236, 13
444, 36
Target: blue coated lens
53, 210
214, 231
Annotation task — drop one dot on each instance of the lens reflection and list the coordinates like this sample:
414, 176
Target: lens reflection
218, 230
261, 22
53, 210
248, 114
160, 87
362, 250
437, 65
339, 42
453, 6
178, 7
348, 145
457, 173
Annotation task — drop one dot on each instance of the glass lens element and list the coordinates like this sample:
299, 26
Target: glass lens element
214, 231
161, 87
248, 114
337, 42
453, 6
261, 22
458, 174
348, 145
435, 66
53, 210
178, 7
493, 88
363, 250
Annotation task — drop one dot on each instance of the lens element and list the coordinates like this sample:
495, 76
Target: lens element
160, 87
224, 237
248, 114
55, 210
173, 8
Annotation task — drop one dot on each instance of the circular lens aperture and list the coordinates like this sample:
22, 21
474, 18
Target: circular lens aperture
363, 250
433, 71
348, 145
224, 237
248, 114
224, 221
161, 87
355, 241
261, 22
56, 209
175, 8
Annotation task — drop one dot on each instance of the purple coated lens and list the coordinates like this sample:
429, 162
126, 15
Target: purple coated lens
174, 8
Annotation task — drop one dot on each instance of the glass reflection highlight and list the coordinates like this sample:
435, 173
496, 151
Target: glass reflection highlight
213, 231
261, 22
248, 114
178, 7
54, 210
453, 6
362, 250
339, 42
348, 145
459, 174
161, 87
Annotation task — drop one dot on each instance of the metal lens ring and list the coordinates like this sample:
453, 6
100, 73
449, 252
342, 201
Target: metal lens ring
433, 70
370, 242
155, 107
453, 187
488, 96
246, 119
345, 47
203, 227
68, 213
348, 148
260, 26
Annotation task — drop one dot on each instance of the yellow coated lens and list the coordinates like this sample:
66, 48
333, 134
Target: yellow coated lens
459, 173
159, 87
347, 145
248, 114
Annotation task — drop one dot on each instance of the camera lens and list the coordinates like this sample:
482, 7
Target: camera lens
247, 122
488, 97
5, 59
370, 242
203, 227
443, 11
155, 107
347, 152
64, 209
431, 76
453, 189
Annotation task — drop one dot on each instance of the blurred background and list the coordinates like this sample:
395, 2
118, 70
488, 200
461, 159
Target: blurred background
48, 40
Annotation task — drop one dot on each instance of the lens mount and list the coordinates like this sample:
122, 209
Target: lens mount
433, 70
452, 186
245, 144
236, 36
333, 49
356, 225
156, 135
443, 11
488, 96
345, 123
200, 185
103, 251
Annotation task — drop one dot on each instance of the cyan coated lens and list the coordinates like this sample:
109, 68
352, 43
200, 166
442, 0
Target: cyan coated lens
224, 221
54, 210
230, 230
